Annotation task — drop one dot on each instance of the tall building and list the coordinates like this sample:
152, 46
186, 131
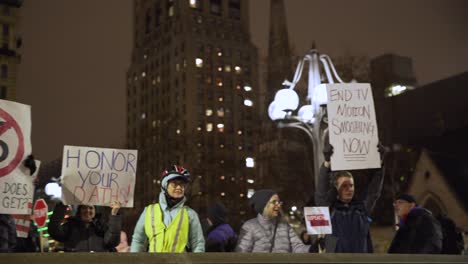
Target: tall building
10, 42
192, 99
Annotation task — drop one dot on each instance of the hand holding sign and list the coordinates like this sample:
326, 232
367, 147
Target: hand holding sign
318, 220
115, 205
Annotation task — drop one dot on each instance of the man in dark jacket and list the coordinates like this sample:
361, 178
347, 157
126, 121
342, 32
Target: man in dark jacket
221, 237
85, 233
349, 216
419, 232
7, 233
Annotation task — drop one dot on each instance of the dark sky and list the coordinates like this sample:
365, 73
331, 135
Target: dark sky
76, 52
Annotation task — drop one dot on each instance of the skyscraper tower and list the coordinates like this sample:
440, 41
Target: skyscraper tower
10, 42
192, 91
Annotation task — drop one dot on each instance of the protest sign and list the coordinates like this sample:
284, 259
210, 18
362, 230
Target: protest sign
98, 176
16, 188
317, 220
352, 127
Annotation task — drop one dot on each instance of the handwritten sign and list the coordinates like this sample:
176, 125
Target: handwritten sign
98, 176
352, 127
318, 220
16, 188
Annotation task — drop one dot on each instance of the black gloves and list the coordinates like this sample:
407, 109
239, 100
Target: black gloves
30, 164
327, 152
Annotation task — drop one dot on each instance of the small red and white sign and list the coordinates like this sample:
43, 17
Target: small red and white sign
318, 220
40, 213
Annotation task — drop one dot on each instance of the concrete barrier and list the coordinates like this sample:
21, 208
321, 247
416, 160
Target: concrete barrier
147, 258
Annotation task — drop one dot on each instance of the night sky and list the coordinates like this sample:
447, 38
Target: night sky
76, 52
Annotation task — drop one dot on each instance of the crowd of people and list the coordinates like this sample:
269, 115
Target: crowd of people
171, 226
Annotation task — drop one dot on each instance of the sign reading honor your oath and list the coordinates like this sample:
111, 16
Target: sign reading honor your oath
352, 126
98, 176
318, 220
16, 188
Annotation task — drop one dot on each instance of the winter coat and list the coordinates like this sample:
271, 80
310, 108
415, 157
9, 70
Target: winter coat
257, 234
221, 238
7, 233
420, 233
78, 237
350, 221
195, 242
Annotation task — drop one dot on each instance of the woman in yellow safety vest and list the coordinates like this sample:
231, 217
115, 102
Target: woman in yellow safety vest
169, 226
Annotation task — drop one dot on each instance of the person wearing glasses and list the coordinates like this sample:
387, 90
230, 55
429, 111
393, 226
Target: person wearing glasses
169, 225
419, 232
267, 233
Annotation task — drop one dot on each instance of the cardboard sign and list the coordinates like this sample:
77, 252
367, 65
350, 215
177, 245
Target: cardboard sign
98, 176
318, 220
15, 145
352, 127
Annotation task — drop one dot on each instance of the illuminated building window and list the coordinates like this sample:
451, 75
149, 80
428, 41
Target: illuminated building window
220, 127
153, 124
250, 192
199, 62
250, 181
220, 99
143, 116
209, 112
222, 178
248, 102
145, 56
223, 194
220, 69
221, 146
158, 79
239, 147
249, 162
219, 83
153, 82
241, 195
221, 161
238, 69
199, 144
247, 88
178, 131
227, 68
143, 74
195, 4
220, 112
239, 132
233, 179
177, 67
209, 127
199, 128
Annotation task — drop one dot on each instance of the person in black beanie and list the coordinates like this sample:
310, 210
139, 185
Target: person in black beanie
419, 232
221, 237
267, 233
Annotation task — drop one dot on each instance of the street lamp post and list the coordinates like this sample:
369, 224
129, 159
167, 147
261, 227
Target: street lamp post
312, 117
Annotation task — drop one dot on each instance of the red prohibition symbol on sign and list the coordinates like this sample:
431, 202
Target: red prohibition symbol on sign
40, 213
10, 122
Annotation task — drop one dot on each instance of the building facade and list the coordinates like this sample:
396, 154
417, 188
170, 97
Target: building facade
9, 45
192, 99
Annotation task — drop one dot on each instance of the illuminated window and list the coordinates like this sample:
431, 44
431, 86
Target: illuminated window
153, 82
227, 68
153, 124
239, 147
249, 162
209, 127
220, 98
220, 112
199, 62
241, 195
220, 127
199, 128
143, 116
221, 146
209, 112
143, 74
248, 102
239, 132
222, 178
195, 4
238, 69
250, 192
178, 131
247, 88
220, 69
250, 181
223, 194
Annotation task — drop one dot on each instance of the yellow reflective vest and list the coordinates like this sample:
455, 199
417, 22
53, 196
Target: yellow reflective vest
170, 239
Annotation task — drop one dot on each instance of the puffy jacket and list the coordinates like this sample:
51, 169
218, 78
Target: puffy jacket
257, 234
196, 241
419, 234
350, 221
78, 237
221, 238
7, 233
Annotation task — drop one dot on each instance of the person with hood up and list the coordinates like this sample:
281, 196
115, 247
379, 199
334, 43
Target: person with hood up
267, 233
169, 226
85, 232
221, 236
419, 231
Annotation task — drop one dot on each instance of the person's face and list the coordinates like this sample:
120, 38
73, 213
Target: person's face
87, 213
272, 208
345, 188
402, 207
176, 188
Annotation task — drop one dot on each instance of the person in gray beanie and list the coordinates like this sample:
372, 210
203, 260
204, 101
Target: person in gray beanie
267, 233
169, 225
